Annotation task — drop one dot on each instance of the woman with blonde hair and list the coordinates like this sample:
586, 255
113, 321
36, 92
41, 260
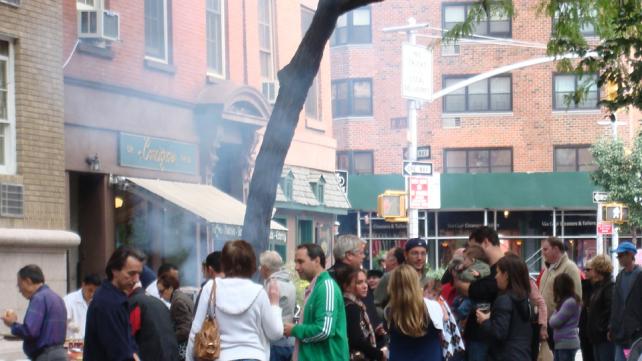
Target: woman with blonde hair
598, 271
412, 335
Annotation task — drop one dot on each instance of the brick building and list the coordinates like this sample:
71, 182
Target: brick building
33, 218
162, 100
508, 150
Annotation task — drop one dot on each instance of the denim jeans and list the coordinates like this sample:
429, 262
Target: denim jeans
281, 353
476, 351
565, 354
619, 353
604, 351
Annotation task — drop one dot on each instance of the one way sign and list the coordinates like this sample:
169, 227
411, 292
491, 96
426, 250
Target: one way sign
411, 168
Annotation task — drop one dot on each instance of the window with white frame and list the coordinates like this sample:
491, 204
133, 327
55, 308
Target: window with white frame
574, 158
266, 51
156, 30
488, 95
497, 23
312, 101
88, 4
587, 26
7, 112
215, 22
352, 97
565, 86
478, 160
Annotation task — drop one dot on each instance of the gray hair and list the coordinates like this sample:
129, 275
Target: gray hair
271, 260
346, 243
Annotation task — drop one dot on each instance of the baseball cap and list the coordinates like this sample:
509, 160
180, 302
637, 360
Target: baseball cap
415, 242
624, 247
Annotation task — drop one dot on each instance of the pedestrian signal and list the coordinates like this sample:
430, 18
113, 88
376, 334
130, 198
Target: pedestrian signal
391, 205
611, 91
615, 212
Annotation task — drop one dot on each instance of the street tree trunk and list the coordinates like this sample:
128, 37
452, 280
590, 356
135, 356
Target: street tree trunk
295, 80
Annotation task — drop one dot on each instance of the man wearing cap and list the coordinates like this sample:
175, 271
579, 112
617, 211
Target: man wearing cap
625, 325
416, 254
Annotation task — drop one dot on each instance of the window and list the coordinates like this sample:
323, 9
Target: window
498, 24
587, 28
266, 49
305, 233
478, 160
11, 2
399, 123
214, 38
156, 30
7, 109
490, 95
88, 4
11, 200
312, 101
574, 158
353, 28
357, 162
319, 188
286, 185
351, 97
565, 85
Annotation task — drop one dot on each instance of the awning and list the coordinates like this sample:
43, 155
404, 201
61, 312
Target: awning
223, 212
544, 190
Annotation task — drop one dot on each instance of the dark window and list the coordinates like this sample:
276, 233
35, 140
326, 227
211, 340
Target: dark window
574, 158
478, 160
319, 189
214, 35
353, 28
156, 31
351, 97
286, 186
497, 24
489, 95
565, 85
357, 162
399, 123
312, 100
305, 233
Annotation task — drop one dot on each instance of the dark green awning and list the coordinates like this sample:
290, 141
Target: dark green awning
490, 190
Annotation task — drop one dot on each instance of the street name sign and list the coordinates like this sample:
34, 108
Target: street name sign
423, 152
416, 72
411, 168
600, 197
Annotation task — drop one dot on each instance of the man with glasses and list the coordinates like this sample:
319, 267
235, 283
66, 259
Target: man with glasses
625, 325
416, 253
349, 250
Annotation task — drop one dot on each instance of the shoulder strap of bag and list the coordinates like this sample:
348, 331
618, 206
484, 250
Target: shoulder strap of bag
211, 312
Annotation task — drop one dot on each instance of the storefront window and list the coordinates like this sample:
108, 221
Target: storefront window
524, 223
576, 223
459, 223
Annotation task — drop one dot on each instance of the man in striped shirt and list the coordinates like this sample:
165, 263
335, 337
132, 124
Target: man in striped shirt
322, 332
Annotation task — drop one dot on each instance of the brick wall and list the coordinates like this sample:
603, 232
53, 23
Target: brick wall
36, 29
532, 129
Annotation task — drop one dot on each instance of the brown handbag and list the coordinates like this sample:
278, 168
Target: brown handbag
207, 343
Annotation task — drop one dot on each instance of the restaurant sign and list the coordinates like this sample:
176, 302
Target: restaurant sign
139, 151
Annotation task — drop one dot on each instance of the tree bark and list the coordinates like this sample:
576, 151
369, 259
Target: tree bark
295, 80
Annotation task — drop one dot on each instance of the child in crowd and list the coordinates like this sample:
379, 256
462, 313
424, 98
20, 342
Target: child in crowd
451, 341
472, 267
565, 318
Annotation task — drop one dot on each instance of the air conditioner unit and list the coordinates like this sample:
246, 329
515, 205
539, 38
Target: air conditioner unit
270, 90
98, 24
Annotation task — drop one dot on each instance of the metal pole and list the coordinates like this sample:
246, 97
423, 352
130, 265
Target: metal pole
413, 214
599, 242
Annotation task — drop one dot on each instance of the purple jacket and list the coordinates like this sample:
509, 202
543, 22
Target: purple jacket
565, 325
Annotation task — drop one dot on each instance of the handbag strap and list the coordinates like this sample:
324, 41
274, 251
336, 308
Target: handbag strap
211, 309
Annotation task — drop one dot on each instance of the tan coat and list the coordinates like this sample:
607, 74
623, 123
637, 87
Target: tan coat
564, 265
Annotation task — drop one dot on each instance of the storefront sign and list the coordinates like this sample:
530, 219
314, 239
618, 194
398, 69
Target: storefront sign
138, 151
226, 232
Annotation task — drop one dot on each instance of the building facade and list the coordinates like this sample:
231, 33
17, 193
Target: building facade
510, 151
181, 92
33, 220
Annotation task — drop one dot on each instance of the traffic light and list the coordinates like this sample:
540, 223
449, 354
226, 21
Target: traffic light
615, 212
391, 205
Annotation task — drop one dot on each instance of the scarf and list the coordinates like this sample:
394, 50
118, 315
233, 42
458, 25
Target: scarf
366, 326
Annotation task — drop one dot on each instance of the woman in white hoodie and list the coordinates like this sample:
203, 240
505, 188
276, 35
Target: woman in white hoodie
248, 317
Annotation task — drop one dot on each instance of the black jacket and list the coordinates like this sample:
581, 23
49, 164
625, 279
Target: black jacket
599, 311
482, 290
509, 329
156, 339
626, 311
357, 340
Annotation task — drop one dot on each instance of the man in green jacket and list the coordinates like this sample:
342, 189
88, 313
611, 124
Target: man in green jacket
322, 333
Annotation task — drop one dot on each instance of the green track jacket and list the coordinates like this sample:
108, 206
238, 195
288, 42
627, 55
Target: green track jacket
323, 334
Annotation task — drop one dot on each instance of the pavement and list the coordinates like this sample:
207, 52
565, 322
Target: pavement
11, 350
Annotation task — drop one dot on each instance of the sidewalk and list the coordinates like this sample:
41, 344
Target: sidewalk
11, 350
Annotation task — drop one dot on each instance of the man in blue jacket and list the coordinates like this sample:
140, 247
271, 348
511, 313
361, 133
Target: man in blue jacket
108, 334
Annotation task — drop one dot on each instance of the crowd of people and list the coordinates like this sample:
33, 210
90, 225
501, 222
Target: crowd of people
485, 307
